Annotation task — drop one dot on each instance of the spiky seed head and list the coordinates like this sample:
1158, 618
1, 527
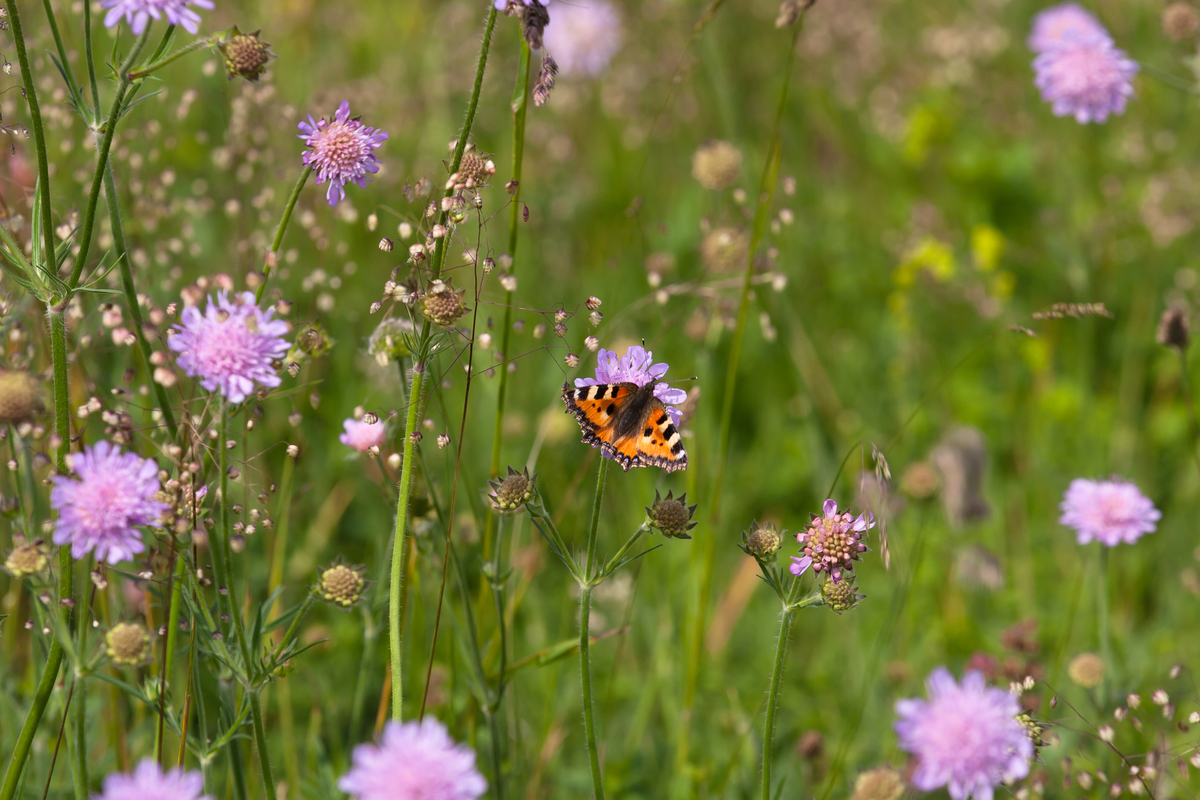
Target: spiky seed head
26, 558
246, 55
512, 491
1086, 670
545, 81
128, 644
881, 783
20, 397
341, 584
1173, 328
840, 595
671, 516
716, 165
761, 541
473, 171
442, 305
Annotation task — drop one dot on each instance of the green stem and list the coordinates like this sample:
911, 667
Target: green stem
174, 598
39, 134
495, 730
260, 742
104, 147
281, 230
439, 251
62, 50
398, 541
49, 675
79, 751
585, 611
91, 62
781, 642
178, 54
370, 637
1104, 632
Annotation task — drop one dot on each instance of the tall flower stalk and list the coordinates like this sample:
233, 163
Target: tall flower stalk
585, 610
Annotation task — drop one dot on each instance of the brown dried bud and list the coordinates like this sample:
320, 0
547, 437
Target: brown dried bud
881, 783
20, 397
442, 305
1180, 20
716, 165
245, 54
1086, 670
1173, 328
535, 19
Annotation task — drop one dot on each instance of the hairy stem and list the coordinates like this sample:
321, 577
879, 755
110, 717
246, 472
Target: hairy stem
273, 256
178, 54
398, 540
781, 643
585, 610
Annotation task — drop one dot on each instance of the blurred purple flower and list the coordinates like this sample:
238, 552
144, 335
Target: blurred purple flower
637, 367
1060, 25
501, 5
965, 737
100, 508
230, 346
583, 37
149, 782
362, 436
343, 151
1110, 512
833, 542
138, 13
414, 761
1087, 78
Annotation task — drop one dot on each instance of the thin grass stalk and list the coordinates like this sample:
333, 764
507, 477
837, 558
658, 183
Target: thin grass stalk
497, 698
91, 62
585, 610
1102, 624
39, 133
273, 257
173, 595
398, 541
62, 50
178, 54
104, 146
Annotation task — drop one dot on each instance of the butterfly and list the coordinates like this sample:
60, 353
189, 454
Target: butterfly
628, 423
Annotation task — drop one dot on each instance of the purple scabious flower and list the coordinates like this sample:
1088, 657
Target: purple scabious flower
149, 782
362, 435
637, 367
231, 346
583, 37
138, 13
1110, 512
1060, 25
833, 542
100, 508
800, 565
1088, 78
413, 761
342, 151
501, 5
965, 736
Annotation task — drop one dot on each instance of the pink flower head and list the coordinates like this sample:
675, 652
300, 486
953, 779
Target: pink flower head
637, 367
414, 761
138, 13
362, 436
341, 151
100, 508
231, 346
149, 782
833, 542
1061, 25
583, 37
1110, 512
965, 737
1088, 79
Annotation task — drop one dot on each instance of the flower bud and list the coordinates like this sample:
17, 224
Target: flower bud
671, 516
513, 491
341, 584
128, 644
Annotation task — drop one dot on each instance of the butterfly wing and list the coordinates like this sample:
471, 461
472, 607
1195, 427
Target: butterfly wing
596, 409
658, 443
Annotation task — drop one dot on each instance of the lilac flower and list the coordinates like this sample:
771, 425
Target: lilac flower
230, 346
1060, 25
414, 761
1111, 512
833, 542
1088, 79
149, 782
138, 13
636, 367
361, 435
100, 508
965, 737
800, 565
501, 5
343, 151
583, 37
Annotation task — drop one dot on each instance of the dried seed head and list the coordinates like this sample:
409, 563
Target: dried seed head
570, 359
442, 305
1180, 20
840, 595
592, 343
473, 172
1173, 328
761, 541
534, 21
881, 783
341, 584
386, 244
545, 81
716, 165
725, 249
26, 558
513, 491
593, 303
245, 54
128, 644
20, 397
1086, 670
670, 516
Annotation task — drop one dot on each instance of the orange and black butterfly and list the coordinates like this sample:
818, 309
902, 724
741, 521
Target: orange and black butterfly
628, 423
